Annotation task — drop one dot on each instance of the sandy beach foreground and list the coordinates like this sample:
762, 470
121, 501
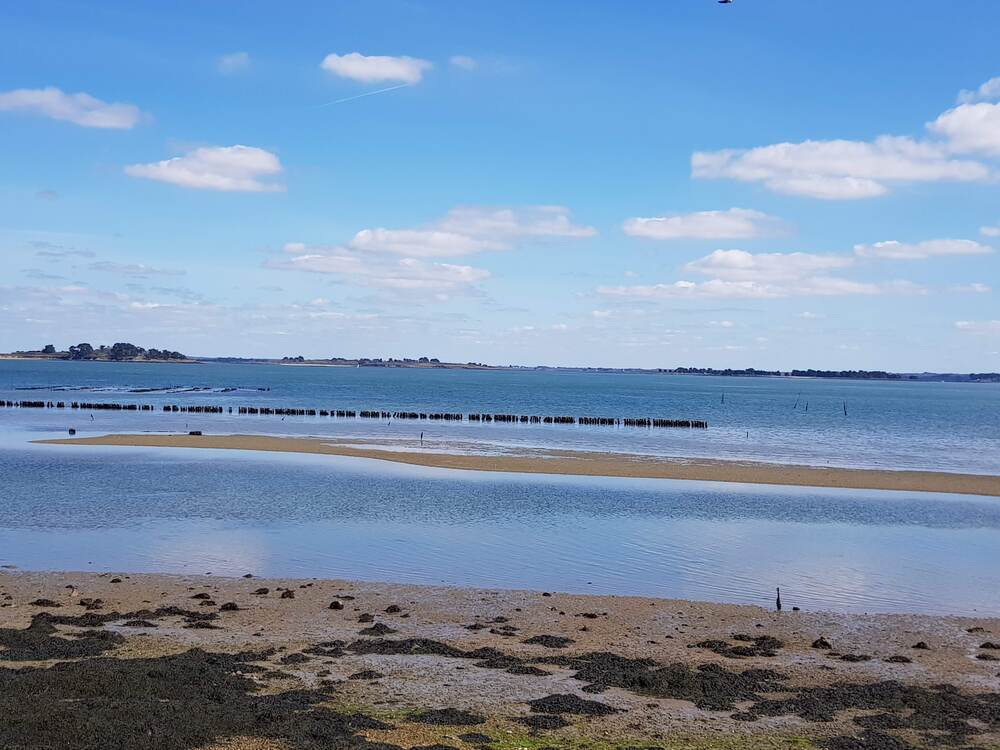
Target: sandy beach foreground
578, 463
92, 660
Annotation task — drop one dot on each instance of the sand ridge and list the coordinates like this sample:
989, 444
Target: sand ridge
579, 463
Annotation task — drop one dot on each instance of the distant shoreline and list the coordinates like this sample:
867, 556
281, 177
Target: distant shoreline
580, 463
104, 360
408, 364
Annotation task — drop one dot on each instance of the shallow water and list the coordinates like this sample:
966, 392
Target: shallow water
229, 512
895, 425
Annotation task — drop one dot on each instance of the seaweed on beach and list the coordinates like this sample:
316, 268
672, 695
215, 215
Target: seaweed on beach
177, 702
41, 640
942, 710
763, 645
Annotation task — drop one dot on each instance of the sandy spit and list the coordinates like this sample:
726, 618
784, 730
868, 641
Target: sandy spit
580, 463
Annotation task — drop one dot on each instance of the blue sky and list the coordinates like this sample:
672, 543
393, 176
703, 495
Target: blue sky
768, 184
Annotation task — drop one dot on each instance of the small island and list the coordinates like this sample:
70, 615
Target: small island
119, 352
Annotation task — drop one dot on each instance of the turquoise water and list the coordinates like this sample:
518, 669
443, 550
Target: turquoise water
229, 512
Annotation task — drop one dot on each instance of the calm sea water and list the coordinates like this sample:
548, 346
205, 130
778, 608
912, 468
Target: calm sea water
71, 507
897, 425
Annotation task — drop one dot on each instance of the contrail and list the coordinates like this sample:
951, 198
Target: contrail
359, 96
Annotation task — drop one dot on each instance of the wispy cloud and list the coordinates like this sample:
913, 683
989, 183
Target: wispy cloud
978, 326
731, 224
132, 269
234, 62
80, 109
463, 61
893, 250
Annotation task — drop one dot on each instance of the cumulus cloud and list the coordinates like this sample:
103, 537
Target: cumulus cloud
986, 92
223, 168
921, 250
993, 231
850, 170
376, 68
734, 223
989, 90
978, 326
839, 169
80, 109
234, 62
970, 128
463, 61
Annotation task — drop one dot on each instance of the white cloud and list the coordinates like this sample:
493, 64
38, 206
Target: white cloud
224, 168
714, 288
376, 68
743, 275
970, 128
740, 265
990, 231
373, 256
806, 315
978, 326
920, 250
973, 288
426, 243
398, 274
81, 109
132, 269
989, 90
735, 223
468, 230
839, 169
233, 62
463, 61
847, 170
818, 286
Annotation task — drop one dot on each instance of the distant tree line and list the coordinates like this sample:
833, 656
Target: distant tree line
117, 352
746, 372
753, 372
851, 374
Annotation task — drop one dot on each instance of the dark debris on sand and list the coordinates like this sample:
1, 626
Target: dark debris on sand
544, 721
940, 709
763, 645
567, 703
41, 640
175, 702
549, 641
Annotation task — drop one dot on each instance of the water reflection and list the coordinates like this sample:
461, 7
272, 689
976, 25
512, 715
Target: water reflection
233, 513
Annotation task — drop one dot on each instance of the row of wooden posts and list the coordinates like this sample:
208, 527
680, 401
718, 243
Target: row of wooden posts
367, 414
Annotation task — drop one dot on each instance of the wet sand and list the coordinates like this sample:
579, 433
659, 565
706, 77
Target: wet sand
92, 660
578, 463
